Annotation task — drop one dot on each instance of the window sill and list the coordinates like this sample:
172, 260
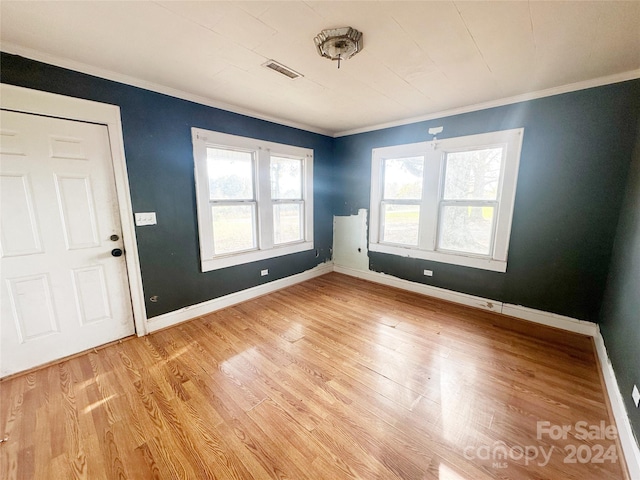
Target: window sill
253, 256
453, 259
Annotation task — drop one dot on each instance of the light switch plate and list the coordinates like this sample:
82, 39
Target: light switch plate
636, 395
145, 218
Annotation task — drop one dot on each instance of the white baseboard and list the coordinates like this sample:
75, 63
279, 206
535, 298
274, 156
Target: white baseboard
428, 290
550, 319
518, 311
627, 439
204, 308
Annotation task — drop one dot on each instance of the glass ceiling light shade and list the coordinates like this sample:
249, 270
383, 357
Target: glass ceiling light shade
339, 43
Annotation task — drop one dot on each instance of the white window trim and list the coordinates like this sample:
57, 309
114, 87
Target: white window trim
434, 154
262, 151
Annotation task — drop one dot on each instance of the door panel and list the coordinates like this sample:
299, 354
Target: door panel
77, 212
62, 292
92, 299
19, 228
32, 307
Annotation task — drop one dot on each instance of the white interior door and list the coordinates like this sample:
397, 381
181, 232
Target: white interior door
62, 290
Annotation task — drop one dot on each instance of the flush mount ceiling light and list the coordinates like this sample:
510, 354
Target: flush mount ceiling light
339, 43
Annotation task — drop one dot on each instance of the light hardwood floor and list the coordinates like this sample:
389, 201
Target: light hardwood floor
334, 378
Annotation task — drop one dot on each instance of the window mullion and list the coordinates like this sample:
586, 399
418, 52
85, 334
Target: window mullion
430, 197
263, 197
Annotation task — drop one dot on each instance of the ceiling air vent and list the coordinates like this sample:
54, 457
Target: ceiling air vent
278, 67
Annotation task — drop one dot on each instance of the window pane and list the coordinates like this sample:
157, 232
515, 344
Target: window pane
466, 229
473, 175
230, 174
286, 178
233, 228
287, 223
401, 224
403, 178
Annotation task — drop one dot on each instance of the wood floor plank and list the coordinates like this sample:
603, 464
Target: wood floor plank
334, 378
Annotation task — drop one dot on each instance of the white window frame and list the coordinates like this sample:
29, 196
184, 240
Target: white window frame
261, 151
434, 153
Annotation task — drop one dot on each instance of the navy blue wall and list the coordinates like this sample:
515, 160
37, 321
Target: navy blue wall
620, 317
576, 156
157, 141
575, 159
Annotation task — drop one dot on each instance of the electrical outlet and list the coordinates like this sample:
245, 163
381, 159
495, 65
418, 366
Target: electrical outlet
264, 273
636, 395
428, 273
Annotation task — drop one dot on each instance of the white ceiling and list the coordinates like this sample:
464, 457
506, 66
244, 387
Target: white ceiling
419, 57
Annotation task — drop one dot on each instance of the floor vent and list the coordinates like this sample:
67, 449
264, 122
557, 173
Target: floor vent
278, 67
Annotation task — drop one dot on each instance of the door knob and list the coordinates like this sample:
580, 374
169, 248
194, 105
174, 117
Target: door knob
116, 252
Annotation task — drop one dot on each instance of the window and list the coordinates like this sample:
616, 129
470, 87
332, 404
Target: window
449, 201
254, 198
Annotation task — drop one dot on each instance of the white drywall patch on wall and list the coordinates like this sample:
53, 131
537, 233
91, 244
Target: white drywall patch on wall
350, 241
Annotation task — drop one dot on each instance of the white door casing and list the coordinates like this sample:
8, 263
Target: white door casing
62, 290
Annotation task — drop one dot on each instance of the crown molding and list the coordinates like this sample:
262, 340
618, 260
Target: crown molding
177, 93
549, 92
151, 86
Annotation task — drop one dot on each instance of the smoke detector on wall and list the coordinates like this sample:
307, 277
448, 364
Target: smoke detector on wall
338, 43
